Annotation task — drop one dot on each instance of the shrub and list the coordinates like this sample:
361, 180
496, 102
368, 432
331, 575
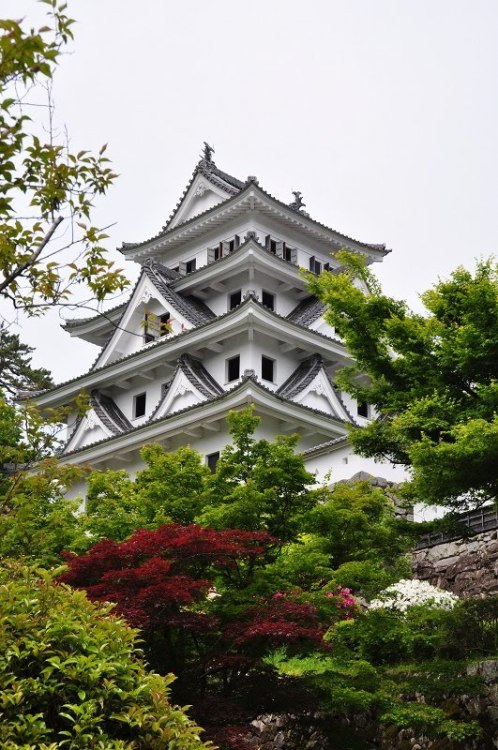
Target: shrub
411, 593
71, 677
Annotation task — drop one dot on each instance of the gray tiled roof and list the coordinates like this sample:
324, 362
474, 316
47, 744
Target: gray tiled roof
216, 397
110, 414
307, 311
235, 187
195, 311
215, 176
75, 322
165, 341
301, 377
199, 376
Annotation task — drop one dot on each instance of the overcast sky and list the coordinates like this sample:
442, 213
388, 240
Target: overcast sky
384, 114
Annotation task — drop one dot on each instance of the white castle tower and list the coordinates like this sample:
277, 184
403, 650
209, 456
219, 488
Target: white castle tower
219, 318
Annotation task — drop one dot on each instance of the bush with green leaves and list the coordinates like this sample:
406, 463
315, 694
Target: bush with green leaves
71, 675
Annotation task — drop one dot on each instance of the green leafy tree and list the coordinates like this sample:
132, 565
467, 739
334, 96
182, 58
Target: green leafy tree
71, 675
54, 247
259, 484
16, 372
37, 522
432, 378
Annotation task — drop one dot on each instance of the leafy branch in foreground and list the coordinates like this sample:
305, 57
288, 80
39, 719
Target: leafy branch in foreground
432, 378
48, 244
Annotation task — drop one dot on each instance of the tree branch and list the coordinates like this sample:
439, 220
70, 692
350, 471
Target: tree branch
32, 260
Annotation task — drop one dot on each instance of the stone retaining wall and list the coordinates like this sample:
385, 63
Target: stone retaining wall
468, 567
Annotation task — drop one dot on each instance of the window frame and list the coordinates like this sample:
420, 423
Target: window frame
233, 294
136, 397
209, 463
228, 366
273, 362
270, 294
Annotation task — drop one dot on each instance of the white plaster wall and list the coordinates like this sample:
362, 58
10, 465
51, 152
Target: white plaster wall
343, 464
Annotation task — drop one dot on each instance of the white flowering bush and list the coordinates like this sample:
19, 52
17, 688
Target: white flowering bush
411, 593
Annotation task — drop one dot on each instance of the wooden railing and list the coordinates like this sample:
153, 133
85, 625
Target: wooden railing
466, 524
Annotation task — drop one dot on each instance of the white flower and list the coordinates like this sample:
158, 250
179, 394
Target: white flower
410, 593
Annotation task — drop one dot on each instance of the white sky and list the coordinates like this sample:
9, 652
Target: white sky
384, 114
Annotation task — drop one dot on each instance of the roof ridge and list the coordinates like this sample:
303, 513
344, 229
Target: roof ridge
302, 376
249, 376
380, 247
167, 340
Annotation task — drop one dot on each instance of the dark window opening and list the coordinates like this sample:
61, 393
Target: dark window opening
233, 244
363, 409
267, 368
287, 253
211, 460
233, 368
148, 332
190, 265
139, 405
164, 324
218, 252
268, 300
315, 265
235, 299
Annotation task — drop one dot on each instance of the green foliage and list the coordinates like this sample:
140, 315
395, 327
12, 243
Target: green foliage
367, 675
259, 485
43, 180
16, 372
71, 676
432, 378
36, 521
185, 477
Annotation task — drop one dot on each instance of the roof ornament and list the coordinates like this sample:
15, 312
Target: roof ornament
298, 202
207, 153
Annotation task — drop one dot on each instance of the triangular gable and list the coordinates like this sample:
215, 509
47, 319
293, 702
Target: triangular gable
180, 394
320, 394
90, 429
129, 335
200, 196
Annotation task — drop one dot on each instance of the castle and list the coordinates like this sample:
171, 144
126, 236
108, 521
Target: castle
219, 318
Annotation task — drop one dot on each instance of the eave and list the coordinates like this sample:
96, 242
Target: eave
96, 329
251, 257
253, 200
293, 416
249, 315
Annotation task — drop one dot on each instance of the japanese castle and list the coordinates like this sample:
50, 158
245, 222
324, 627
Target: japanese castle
219, 318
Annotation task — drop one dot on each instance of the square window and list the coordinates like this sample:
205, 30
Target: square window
315, 265
287, 253
233, 368
268, 300
267, 368
211, 461
234, 299
139, 405
190, 265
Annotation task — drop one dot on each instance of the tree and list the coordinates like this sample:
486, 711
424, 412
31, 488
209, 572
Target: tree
160, 580
71, 675
16, 371
48, 244
433, 378
259, 484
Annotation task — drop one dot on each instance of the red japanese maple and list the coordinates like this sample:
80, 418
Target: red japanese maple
155, 577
